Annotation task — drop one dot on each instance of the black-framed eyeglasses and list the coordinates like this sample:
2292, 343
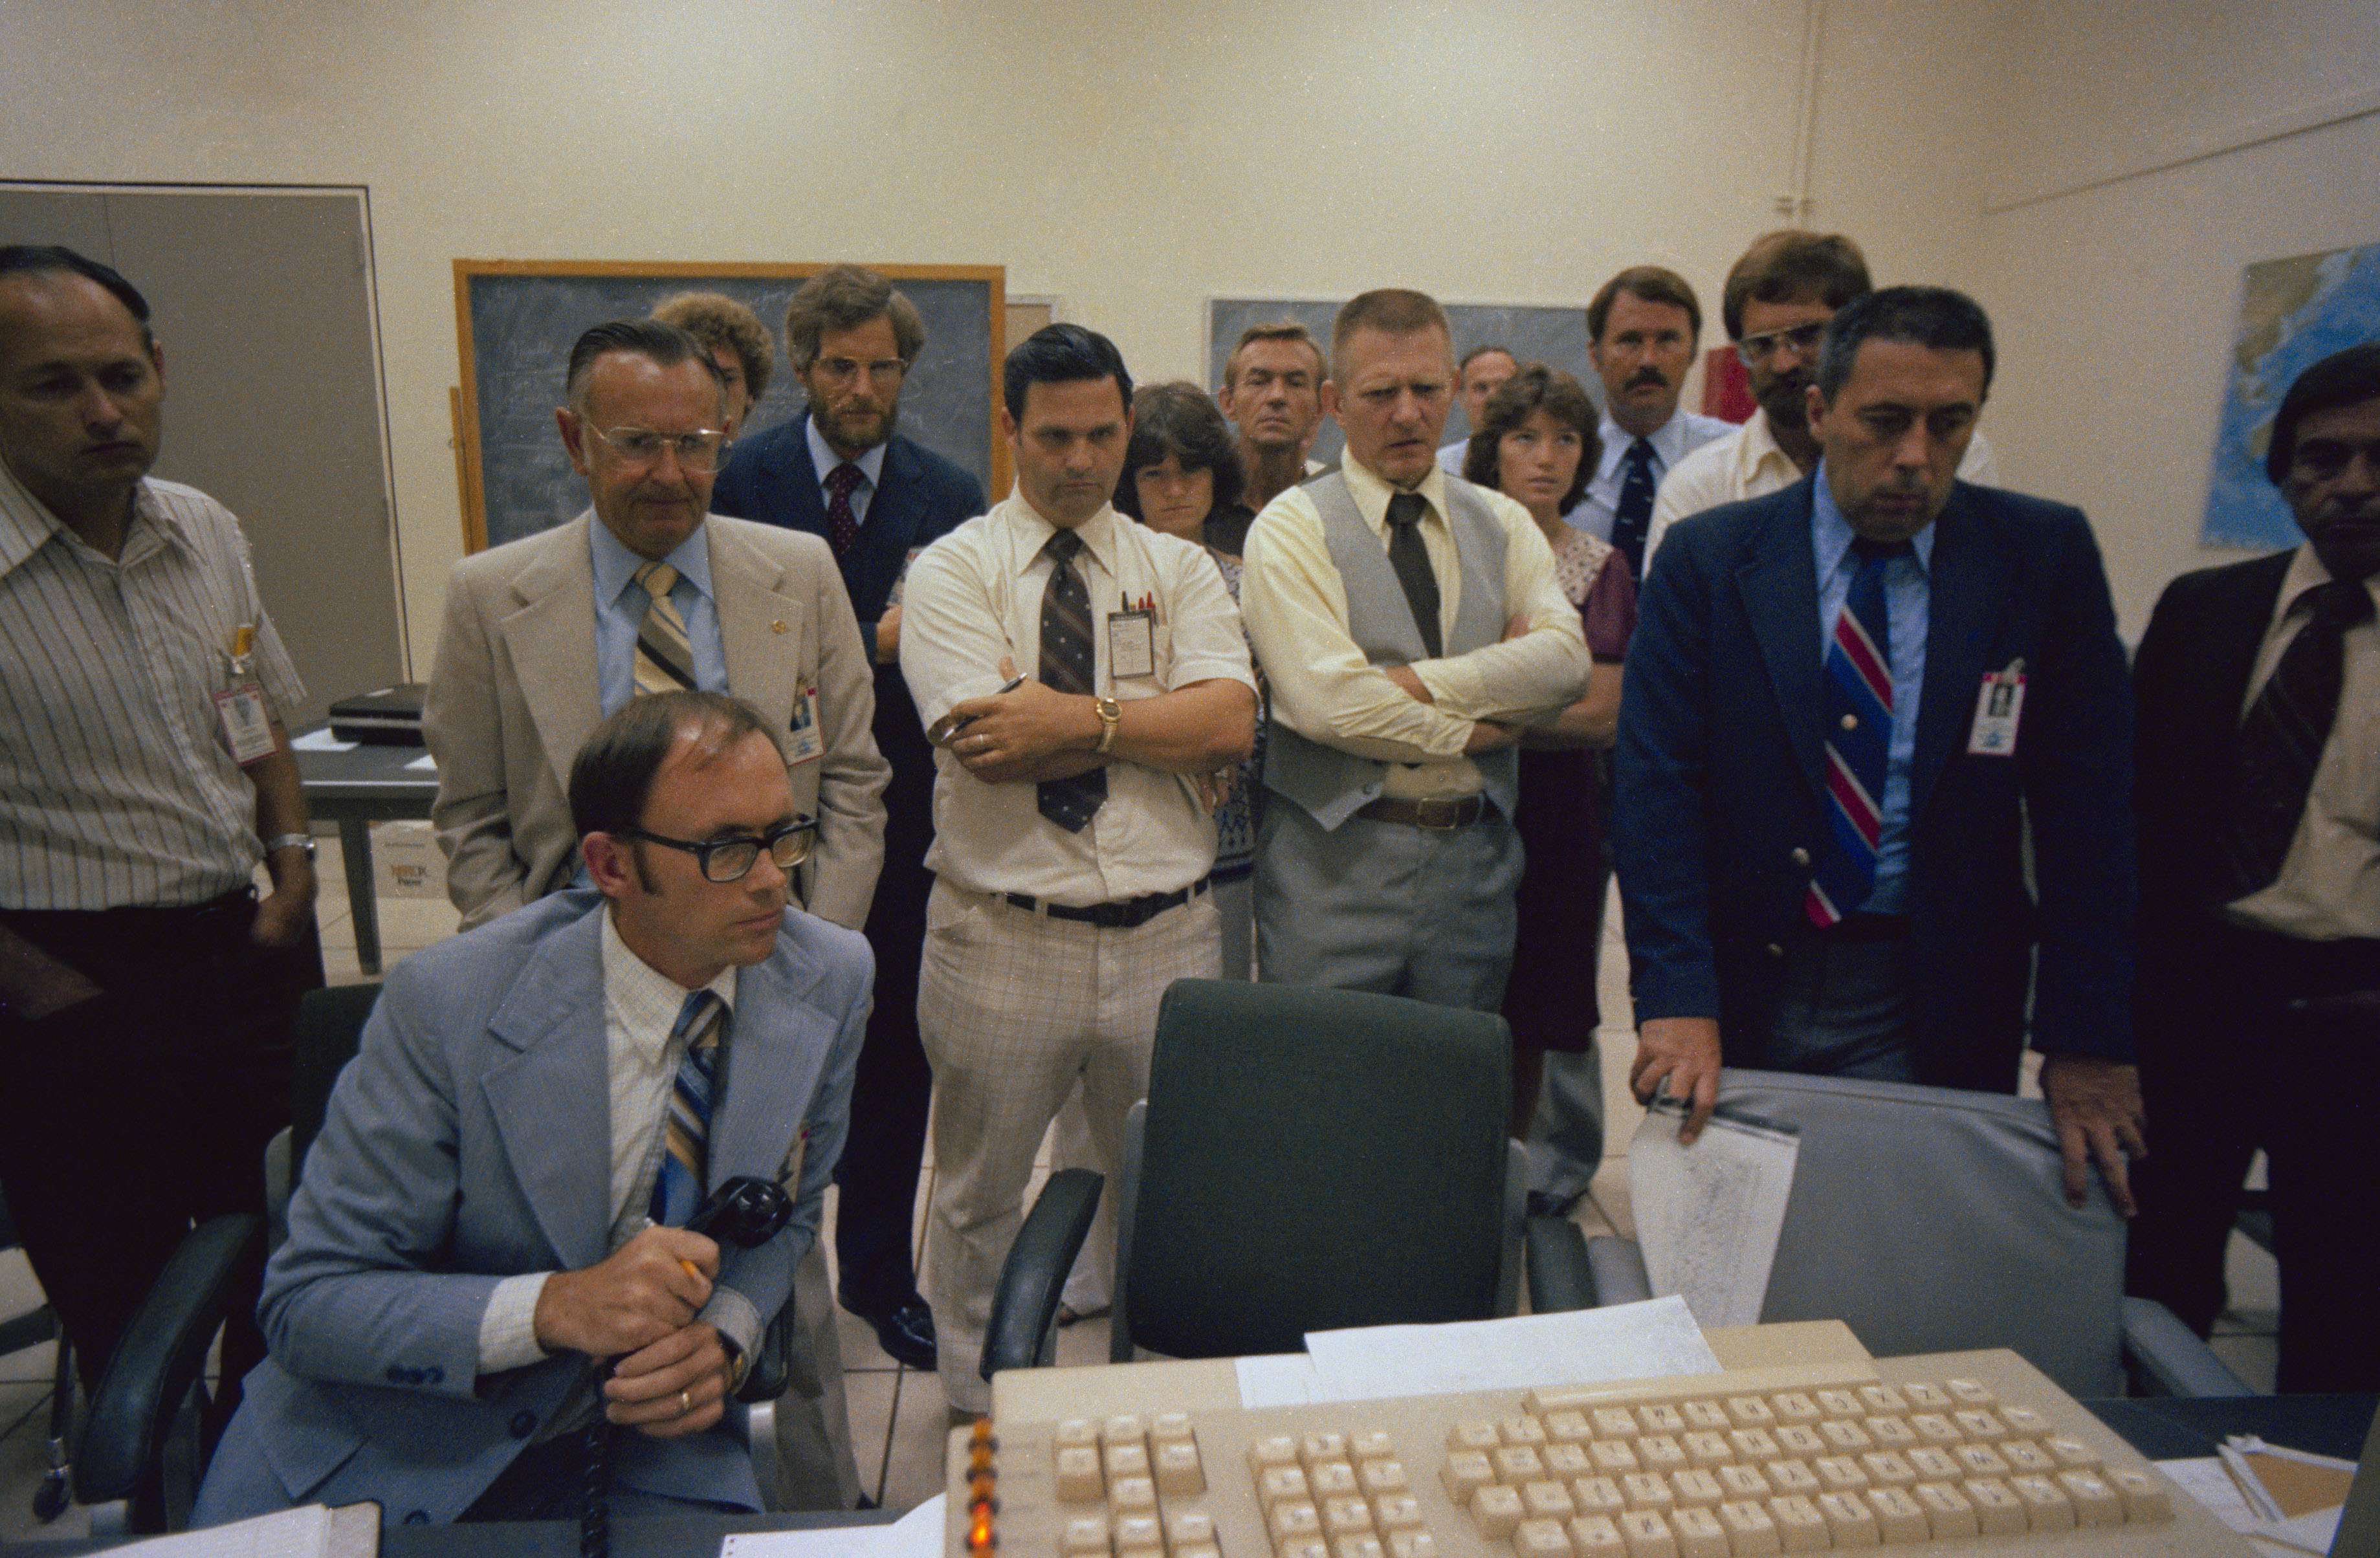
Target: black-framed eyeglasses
728, 860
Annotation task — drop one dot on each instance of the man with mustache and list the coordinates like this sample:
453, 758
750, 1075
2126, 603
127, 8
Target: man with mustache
2259, 701
1875, 766
839, 471
1779, 299
1641, 331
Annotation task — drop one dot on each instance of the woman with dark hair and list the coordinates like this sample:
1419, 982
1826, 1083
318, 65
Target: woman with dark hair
1536, 444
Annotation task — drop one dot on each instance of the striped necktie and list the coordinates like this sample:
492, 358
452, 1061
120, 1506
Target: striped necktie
2282, 737
665, 658
684, 1168
1068, 666
1859, 739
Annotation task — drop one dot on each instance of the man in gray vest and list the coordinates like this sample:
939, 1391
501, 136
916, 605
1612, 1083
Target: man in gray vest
1411, 626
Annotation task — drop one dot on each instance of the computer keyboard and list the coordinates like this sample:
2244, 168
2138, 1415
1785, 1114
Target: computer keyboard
1977, 1451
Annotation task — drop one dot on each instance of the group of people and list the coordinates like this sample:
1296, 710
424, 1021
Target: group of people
793, 794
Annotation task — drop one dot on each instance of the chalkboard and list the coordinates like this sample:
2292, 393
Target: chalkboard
1554, 336
518, 319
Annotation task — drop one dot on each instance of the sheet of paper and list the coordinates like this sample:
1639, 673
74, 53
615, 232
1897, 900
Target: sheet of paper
1624, 1342
1281, 1379
303, 1532
320, 741
2207, 1480
424, 761
1707, 1215
918, 1534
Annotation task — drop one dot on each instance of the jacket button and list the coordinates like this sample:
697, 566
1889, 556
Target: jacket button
524, 1423
416, 1518
1775, 950
396, 1375
432, 1376
1801, 857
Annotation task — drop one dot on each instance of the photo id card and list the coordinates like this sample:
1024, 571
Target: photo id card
803, 742
247, 729
1132, 643
1997, 707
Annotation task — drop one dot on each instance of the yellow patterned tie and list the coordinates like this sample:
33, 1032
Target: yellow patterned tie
665, 658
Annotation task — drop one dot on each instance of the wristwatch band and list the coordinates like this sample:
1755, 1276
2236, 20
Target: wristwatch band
1109, 714
290, 840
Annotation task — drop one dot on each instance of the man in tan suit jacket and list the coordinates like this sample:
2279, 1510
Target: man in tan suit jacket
529, 661
547, 634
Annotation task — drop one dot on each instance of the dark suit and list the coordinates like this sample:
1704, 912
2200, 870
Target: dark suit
920, 497
1719, 806
2225, 1066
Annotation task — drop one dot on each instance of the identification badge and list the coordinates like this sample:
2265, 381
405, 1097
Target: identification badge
1997, 706
247, 730
1132, 643
803, 742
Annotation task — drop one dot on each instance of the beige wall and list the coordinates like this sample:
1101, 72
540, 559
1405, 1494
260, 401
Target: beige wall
1131, 161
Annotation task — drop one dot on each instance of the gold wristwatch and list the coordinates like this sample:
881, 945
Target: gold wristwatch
1109, 717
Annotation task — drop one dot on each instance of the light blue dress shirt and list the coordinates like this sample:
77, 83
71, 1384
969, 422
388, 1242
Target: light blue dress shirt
1684, 433
823, 460
1906, 595
620, 604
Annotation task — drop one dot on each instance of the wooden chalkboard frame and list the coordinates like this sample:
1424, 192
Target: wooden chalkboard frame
469, 469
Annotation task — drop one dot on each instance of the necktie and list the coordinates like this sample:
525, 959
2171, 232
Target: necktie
1066, 667
1410, 558
664, 659
1859, 739
2282, 737
1633, 515
678, 1187
841, 522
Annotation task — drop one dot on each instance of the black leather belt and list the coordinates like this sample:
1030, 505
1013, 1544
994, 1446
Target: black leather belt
1441, 813
1121, 915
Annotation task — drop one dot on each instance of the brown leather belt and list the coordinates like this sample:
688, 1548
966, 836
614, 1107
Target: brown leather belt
1438, 813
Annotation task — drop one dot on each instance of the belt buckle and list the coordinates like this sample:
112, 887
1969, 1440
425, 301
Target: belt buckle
1436, 806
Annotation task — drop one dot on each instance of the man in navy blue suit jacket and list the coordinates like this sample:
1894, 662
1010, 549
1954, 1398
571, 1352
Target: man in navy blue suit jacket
850, 339
1724, 790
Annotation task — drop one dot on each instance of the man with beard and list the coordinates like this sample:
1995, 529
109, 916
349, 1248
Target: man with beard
1640, 332
1875, 766
840, 471
1272, 393
2259, 702
1779, 299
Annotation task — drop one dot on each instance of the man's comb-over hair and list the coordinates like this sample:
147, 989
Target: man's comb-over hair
611, 777
1390, 310
665, 345
1280, 330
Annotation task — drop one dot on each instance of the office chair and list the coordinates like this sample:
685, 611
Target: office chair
30, 1329
1933, 1220
1305, 1160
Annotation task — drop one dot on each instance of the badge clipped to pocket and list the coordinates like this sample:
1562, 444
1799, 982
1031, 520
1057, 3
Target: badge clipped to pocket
803, 742
1132, 641
1997, 706
239, 705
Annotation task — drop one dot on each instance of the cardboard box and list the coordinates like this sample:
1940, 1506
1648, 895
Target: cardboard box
407, 861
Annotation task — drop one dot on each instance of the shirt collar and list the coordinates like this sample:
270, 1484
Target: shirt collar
1831, 535
823, 459
27, 525
1669, 441
1033, 532
1372, 491
615, 565
2306, 573
646, 1001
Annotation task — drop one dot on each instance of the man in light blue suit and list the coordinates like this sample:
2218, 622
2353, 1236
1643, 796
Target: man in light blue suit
473, 1237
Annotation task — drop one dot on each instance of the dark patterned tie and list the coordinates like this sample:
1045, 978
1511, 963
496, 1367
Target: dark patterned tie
1410, 558
664, 659
1631, 516
685, 1169
1859, 739
840, 523
1067, 666
2282, 737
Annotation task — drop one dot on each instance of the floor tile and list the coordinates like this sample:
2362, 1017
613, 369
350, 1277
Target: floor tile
913, 1461
871, 1395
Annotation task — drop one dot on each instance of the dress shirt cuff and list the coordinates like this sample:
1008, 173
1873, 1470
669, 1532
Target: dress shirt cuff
508, 1325
732, 1314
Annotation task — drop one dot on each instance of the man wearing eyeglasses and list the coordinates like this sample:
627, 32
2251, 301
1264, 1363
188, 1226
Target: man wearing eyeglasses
488, 1250
840, 471
1779, 299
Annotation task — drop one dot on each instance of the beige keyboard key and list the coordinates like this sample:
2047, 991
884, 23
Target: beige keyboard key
1411, 1544
1362, 1544
1188, 1528
1471, 1434
1935, 1427
1840, 1474
1660, 1417
2144, 1497
1799, 1526
1128, 1495
1706, 1448
1541, 1539
1178, 1470
2095, 1504
1613, 1456
1850, 1522
1167, 1426
1837, 1403
1795, 1407
1127, 1460
1547, 1499
1647, 1489
1981, 1460
1293, 1517
1750, 1411
1374, 1445
2024, 1456
1889, 1434
2025, 1421
1303, 1546
1075, 1431
1648, 1535
1517, 1463
1123, 1551
1699, 1534
1197, 1549
1888, 1469
1315, 1447
1277, 1449
2046, 1507
2071, 1452
1800, 1438
1568, 1426
1396, 1512
1793, 1477
1330, 1480
1374, 1478
1898, 1516
1947, 1512
1522, 1429
1286, 1484
1883, 1399
1753, 1444
1078, 1479
1998, 1512
1568, 1460
1595, 1536
1750, 1532
1925, 1397
1346, 1517
1598, 1495
1702, 1412
1138, 1531
1744, 1483
1660, 1452
1697, 1487
1125, 1429
1614, 1422
1084, 1534
1970, 1392
1464, 1473
1934, 1466
1844, 1436
1498, 1509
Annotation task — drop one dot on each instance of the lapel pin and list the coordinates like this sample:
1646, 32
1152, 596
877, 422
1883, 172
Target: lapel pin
777, 626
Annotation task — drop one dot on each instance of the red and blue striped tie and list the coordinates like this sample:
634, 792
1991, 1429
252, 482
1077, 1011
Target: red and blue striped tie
1859, 739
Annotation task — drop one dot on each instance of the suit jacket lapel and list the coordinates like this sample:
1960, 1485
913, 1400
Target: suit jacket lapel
555, 1081
789, 465
1779, 585
551, 642
775, 1049
758, 626
1967, 591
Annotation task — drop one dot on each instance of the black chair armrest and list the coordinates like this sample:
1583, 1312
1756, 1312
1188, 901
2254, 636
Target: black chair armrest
1559, 1275
160, 1356
1024, 1306
1618, 1267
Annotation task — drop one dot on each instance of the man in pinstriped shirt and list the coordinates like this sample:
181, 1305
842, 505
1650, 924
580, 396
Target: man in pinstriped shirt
145, 991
